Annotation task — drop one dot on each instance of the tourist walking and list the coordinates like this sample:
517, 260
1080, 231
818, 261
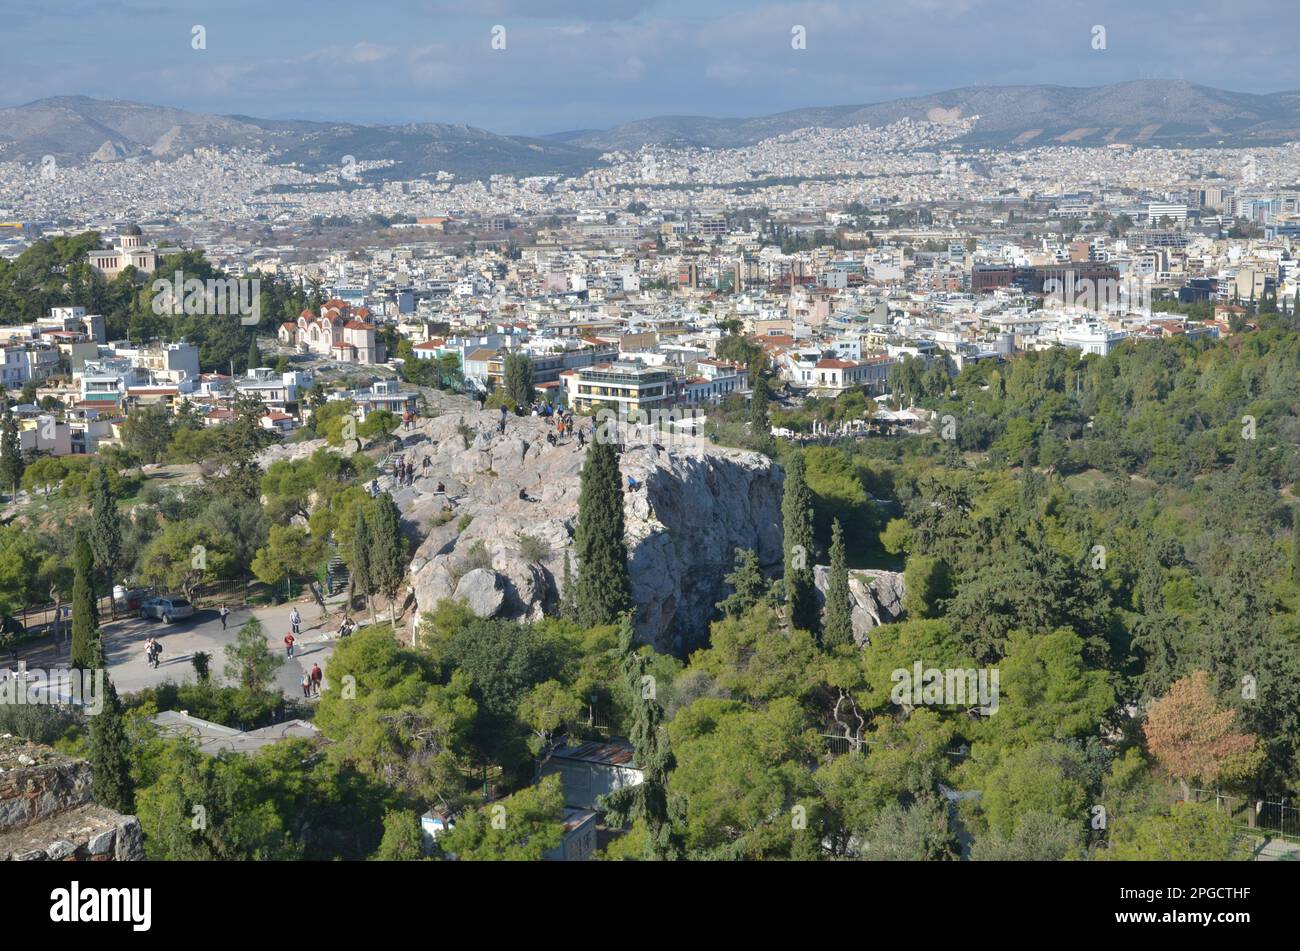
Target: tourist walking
295, 619
225, 613
288, 645
316, 677
306, 685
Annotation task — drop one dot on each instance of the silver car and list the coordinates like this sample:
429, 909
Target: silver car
168, 608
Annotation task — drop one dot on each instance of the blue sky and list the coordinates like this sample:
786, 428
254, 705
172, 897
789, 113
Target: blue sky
572, 64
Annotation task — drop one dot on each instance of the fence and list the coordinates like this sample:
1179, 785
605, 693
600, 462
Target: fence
1276, 818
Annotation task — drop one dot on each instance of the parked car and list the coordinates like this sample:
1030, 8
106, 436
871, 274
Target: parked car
169, 608
130, 599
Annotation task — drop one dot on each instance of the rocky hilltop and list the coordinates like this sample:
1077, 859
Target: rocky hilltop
505, 556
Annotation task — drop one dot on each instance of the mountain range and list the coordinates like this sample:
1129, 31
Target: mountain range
1149, 112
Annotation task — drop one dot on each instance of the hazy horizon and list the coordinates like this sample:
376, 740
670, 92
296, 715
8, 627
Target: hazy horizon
583, 64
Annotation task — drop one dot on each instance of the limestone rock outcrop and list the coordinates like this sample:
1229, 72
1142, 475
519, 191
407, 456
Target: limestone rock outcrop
511, 500
877, 598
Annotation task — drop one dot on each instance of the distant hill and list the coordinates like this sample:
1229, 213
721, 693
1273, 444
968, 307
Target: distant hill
1151, 112
78, 128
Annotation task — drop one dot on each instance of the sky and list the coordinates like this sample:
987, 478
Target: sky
581, 64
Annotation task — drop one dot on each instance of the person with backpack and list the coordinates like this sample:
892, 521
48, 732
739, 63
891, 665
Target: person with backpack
306, 685
295, 619
288, 645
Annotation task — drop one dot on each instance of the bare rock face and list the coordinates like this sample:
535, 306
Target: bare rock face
482, 590
46, 812
877, 598
697, 504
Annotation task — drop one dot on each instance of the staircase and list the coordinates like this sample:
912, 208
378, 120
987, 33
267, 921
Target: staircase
338, 573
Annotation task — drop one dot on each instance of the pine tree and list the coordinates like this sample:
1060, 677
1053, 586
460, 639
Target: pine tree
106, 526
648, 800
85, 617
11, 452
362, 577
838, 627
110, 759
602, 589
387, 558
748, 586
797, 520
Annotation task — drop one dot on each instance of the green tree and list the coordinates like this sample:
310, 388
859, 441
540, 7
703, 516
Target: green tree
747, 584
521, 827
85, 615
1191, 832
289, 552
647, 802
603, 588
402, 841
11, 452
110, 750
797, 520
838, 627
517, 377
759, 424
387, 559
248, 662
106, 527
362, 578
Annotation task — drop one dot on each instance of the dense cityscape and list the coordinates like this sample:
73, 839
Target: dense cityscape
858, 492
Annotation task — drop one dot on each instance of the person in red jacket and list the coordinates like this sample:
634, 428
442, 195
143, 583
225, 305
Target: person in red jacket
316, 677
288, 644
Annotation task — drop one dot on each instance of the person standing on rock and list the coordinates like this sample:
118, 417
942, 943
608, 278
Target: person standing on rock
316, 677
288, 645
295, 619
306, 685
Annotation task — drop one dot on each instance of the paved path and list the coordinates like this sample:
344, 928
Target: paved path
124, 641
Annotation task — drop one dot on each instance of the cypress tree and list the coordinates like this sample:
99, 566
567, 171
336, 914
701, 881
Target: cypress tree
797, 522
106, 526
387, 558
85, 617
758, 401
362, 580
110, 760
568, 601
254, 355
838, 628
602, 589
517, 375
648, 800
11, 451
